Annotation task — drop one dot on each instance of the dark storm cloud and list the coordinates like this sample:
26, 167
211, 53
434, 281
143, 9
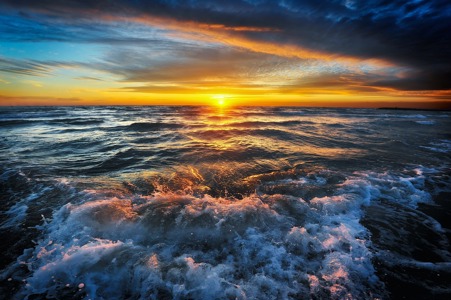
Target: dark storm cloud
417, 81
413, 34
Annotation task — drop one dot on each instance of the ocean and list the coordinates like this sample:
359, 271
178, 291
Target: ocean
190, 202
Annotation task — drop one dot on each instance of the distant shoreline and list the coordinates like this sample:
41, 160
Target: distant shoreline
416, 109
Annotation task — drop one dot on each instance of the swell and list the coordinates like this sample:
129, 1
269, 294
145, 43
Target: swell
16, 122
252, 124
231, 133
150, 126
76, 121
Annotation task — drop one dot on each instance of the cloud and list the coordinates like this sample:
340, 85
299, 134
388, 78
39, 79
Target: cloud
34, 67
89, 78
35, 101
413, 35
22, 67
34, 83
420, 80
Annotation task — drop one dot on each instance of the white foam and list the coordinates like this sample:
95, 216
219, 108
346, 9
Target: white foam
402, 189
429, 122
181, 246
417, 116
18, 212
16, 215
442, 146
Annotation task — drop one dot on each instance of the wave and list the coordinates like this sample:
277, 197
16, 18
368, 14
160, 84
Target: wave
16, 122
233, 132
150, 126
426, 122
251, 124
442, 146
76, 121
178, 245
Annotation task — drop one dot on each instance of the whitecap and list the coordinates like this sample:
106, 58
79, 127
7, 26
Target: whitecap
428, 122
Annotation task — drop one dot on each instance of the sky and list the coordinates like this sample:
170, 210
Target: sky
238, 52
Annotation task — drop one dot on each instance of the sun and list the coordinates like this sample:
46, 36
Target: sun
220, 99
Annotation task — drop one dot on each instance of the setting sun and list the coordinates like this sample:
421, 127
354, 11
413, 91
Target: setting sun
220, 99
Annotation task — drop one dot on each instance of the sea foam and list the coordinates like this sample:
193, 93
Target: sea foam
181, 246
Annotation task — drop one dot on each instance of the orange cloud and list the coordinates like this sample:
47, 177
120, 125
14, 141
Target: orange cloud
231, 36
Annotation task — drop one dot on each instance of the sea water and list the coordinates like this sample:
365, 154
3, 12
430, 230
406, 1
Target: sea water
224, 203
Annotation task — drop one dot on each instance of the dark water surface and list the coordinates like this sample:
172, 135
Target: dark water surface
237, 203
